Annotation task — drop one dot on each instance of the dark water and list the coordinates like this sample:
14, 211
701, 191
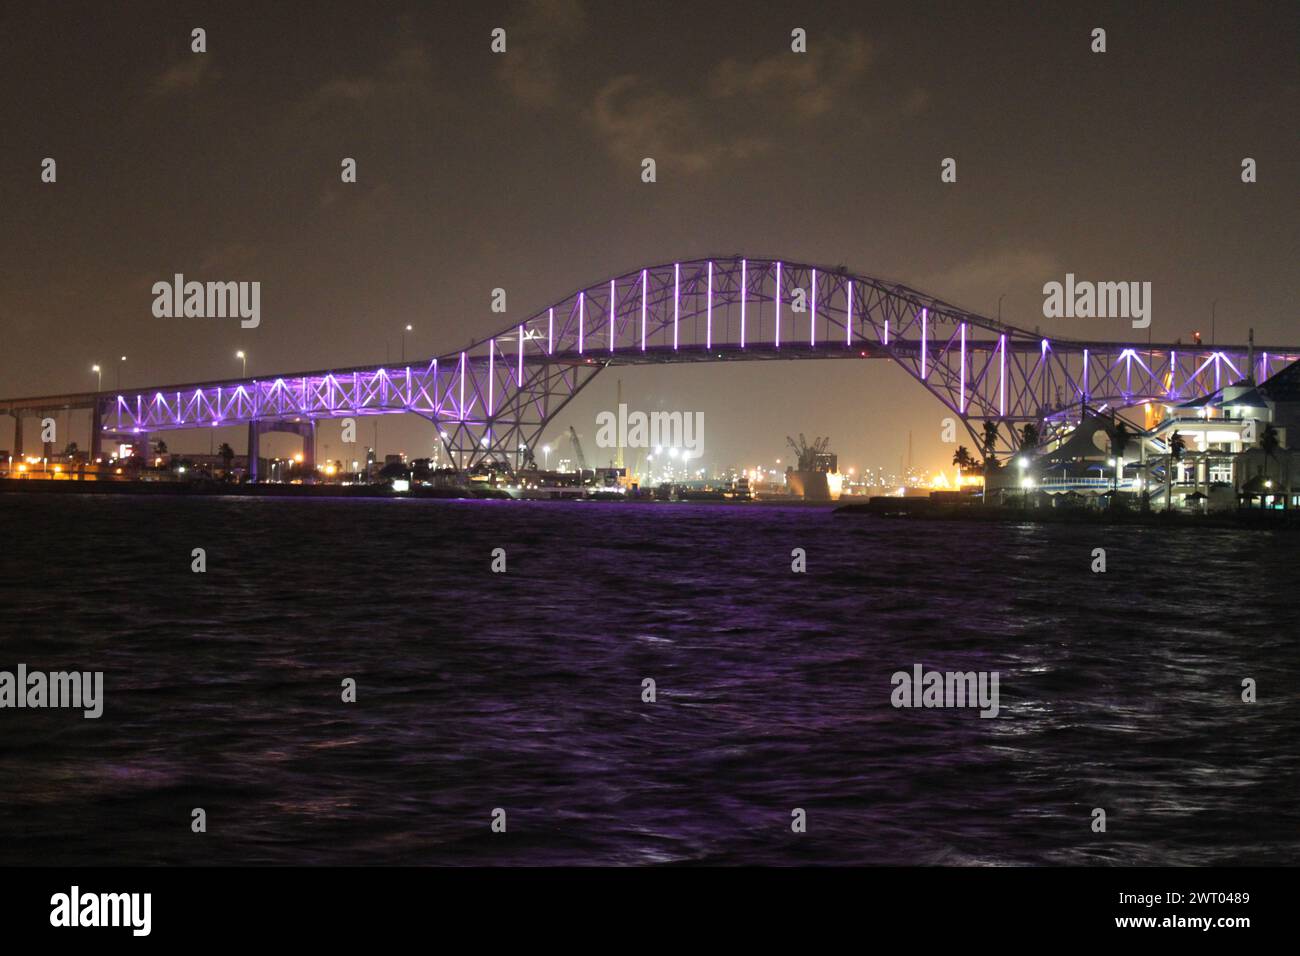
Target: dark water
523, 690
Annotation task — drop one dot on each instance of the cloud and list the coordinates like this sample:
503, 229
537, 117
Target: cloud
808, 84
536, 38
916, 102
185, 74
976, 283
634, 122
228, 258
366, 206
405, 76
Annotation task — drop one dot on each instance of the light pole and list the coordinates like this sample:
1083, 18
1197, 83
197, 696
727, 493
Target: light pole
1000, 298
119, 372
99, 377
243, 358
404, 331
546, 452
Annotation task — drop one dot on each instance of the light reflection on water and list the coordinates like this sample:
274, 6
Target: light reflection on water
523, 690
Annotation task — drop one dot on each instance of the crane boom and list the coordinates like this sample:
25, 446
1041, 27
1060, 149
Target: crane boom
577, 449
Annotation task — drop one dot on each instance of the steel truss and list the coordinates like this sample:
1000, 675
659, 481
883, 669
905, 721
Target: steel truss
493, 400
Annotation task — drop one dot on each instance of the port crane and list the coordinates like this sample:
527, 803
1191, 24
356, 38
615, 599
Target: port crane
577, 450
807, 454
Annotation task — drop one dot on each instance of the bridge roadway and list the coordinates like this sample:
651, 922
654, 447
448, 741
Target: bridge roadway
497, 396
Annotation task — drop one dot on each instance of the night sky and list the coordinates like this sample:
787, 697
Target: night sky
522, 170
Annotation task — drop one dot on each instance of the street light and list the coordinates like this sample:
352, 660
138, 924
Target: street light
119, 372
243, 358
99, 373
404, 331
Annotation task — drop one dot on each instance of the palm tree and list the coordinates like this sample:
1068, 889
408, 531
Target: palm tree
963, 460
1269, 443
227, 455
990, 462
1029, 437
1176, 447
1119, 438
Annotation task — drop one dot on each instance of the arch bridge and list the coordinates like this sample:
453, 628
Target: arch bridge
493, 399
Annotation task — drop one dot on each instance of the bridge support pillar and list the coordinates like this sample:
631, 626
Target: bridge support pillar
254, 449
305, 430
18, 434
96, 434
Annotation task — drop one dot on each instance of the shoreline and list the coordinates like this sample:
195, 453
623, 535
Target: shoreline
916, 509
922, 509
211, 489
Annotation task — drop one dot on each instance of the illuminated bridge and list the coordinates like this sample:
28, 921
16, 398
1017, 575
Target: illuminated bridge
495, 398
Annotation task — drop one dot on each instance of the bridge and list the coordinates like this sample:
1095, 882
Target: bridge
493, 399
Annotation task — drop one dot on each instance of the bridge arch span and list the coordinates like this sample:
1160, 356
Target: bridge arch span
493, 399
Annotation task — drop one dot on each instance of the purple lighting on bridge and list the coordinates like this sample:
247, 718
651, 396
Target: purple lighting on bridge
677, 293
961, 395
743, 269
812, 322
708, 309
582, 314
1002, 374
776, 297
925, 315
848, 312
1021, 390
